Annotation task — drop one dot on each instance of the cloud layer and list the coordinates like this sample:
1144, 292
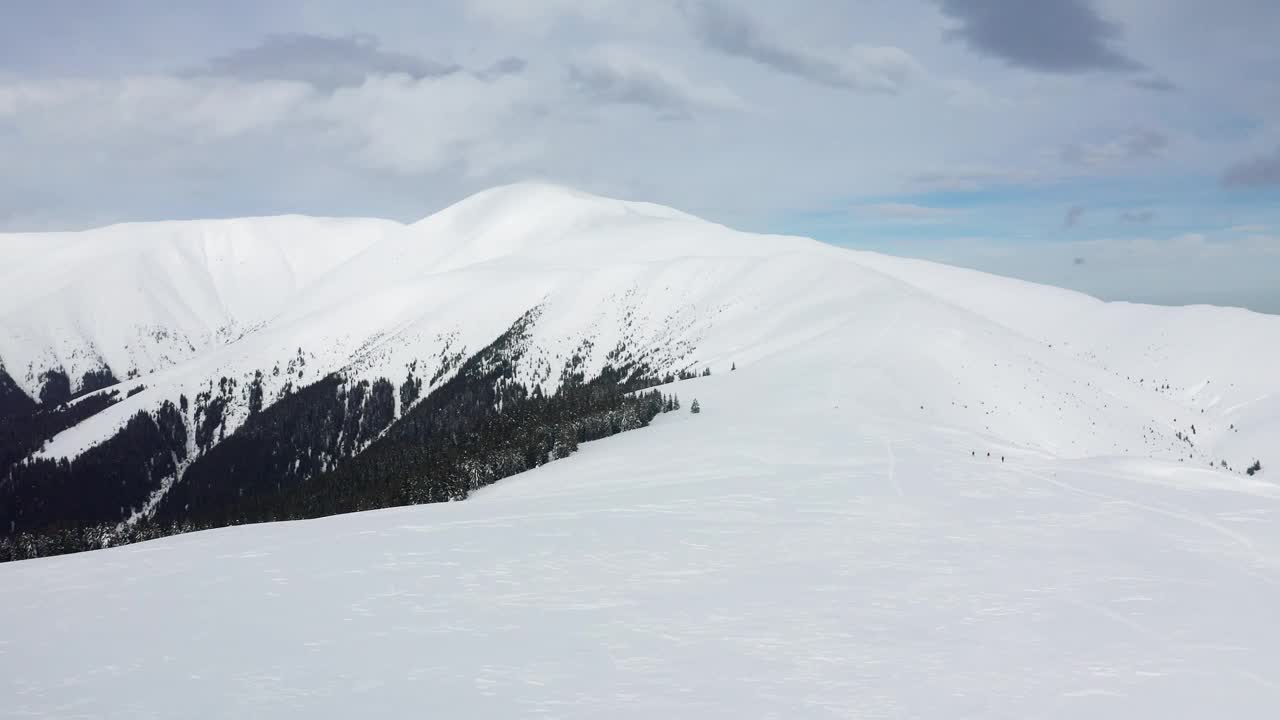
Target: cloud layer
324, 62
861, 68
624, 76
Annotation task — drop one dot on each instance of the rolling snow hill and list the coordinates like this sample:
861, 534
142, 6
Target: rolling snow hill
923, 491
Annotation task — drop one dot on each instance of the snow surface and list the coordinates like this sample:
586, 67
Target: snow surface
827, 538
786, 553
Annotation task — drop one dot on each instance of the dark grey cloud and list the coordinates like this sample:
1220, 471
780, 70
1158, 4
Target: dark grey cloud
1072, 218
323, 61
731, 31
1140, 217
1055, 36
505, 66
606, 84
621, 77
1263, 171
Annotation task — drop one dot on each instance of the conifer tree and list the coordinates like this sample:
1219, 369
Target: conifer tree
695, 408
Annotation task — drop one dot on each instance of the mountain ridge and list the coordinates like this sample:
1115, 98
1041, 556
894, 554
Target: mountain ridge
204, 342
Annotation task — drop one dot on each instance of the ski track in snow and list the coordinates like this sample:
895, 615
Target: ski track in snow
893, 468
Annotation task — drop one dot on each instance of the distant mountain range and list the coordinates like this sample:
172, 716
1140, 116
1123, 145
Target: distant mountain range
159, 377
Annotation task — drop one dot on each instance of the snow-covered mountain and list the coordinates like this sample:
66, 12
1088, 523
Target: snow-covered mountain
913, 491
171, 309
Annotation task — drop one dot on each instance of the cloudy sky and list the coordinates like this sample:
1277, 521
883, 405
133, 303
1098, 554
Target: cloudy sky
1128, 148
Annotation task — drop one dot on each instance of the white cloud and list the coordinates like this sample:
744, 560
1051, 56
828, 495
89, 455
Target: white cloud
402, 125
197, 110
390, 122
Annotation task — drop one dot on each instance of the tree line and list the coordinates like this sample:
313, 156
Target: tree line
331, 447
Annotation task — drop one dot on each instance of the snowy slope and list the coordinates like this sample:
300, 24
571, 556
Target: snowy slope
925, 491
1217, 364
796, 550
141, 297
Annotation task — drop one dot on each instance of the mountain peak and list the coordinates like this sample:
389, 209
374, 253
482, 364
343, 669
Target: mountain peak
535, 200
545, 222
